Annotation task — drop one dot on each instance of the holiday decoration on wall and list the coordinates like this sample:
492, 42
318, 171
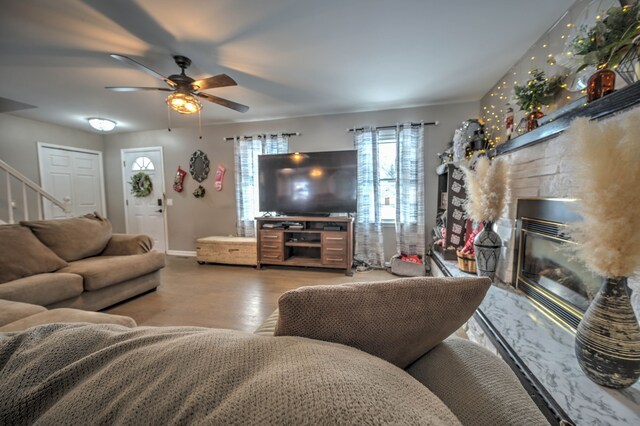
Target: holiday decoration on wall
220, 177
199, 166
178, 181
455, 212
199, 192
141, 185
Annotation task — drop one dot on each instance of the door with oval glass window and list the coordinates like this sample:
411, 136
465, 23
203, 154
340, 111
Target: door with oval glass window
145, 214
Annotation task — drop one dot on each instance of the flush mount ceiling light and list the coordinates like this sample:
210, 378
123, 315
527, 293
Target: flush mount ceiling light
183, 103
102, 124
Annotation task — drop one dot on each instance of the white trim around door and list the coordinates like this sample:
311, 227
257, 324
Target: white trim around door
42, 145
125, 188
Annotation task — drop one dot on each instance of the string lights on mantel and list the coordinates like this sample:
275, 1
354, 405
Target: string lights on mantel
499, 99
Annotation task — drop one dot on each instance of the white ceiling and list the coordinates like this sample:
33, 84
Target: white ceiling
289, 57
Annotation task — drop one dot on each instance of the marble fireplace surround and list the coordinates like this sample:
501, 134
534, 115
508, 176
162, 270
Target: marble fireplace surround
539, 170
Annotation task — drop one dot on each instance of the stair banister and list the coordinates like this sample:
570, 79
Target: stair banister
28, 183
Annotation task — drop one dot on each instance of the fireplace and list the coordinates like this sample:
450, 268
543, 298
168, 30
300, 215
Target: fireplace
544, 269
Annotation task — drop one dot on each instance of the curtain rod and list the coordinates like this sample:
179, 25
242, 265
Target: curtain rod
430, 123
262, 135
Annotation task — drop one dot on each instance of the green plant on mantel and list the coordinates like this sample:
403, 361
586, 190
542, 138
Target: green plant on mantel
540, 90
605, 44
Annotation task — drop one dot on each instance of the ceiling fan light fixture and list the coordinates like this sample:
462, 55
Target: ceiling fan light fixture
102, 124
183, 103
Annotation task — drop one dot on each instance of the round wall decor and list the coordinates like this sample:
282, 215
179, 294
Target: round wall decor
141, 185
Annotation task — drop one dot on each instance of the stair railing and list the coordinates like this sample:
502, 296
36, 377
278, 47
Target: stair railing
27, 184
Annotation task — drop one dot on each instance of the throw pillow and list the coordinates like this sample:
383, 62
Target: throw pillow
398, 320
24, 255
74, 238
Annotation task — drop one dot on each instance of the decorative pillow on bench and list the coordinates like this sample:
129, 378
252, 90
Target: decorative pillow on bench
74, 238
398, 320
24, 255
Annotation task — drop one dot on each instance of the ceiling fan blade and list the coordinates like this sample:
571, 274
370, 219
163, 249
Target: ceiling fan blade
220, 80
137, 89
128, 60
224, 102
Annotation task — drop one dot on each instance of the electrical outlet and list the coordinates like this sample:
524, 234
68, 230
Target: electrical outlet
169, 201
13, 205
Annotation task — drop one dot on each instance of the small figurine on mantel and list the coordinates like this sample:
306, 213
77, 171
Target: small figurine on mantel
508, 123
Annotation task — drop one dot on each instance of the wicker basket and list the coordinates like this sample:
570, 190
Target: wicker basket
466, 262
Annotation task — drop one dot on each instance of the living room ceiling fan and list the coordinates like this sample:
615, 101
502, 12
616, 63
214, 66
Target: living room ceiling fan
185, 91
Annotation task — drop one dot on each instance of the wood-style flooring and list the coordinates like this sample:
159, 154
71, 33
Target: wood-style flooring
221, 296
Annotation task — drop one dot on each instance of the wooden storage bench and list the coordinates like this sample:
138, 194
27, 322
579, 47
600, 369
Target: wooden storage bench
227, 250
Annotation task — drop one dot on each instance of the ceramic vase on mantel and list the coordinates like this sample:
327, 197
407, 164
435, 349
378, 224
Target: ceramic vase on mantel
608, 337
487, 245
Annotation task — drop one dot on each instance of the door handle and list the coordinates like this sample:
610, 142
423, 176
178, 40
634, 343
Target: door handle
159, 211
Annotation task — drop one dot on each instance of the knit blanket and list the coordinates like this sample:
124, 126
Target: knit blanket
107, 374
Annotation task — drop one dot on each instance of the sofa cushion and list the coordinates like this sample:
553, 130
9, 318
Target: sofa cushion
24, 255
66, 315
268, 327
470, 379
74, 238
397, 320
11, 311
42, 289
96, 374
103, 271
125, 244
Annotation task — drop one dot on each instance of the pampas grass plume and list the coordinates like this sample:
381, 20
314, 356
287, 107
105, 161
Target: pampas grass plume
487, 188
606, 182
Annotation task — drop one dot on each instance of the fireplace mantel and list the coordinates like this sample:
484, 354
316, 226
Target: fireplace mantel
619, 100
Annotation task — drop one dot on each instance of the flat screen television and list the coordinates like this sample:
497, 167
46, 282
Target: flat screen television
308, 183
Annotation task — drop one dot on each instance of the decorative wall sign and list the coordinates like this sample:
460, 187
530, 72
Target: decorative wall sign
457, 195
199, 166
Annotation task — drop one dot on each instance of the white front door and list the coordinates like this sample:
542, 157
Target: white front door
73, 176
145, 215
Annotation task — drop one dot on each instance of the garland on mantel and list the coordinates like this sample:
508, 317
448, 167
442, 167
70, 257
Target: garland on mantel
141, 185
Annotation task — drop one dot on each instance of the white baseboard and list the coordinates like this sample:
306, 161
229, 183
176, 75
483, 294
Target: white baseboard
181, 253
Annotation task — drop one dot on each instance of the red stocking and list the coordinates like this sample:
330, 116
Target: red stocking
179, 179
220, 177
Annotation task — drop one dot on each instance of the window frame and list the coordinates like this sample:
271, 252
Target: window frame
387, 137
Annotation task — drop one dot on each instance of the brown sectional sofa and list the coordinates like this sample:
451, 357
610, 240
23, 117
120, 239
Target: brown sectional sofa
17, 316
75, 263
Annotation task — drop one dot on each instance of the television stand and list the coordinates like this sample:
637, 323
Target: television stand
319, 242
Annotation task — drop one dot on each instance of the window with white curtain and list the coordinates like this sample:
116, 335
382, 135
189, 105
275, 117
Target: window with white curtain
247, 151
387, 173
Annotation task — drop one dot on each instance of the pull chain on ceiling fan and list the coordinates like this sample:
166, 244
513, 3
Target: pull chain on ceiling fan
186, 92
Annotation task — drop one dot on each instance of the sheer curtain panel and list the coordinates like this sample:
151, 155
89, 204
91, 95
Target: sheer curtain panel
246, 174
410, 231
368, 226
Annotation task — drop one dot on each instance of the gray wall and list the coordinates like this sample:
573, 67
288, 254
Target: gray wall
18, 148
190, 218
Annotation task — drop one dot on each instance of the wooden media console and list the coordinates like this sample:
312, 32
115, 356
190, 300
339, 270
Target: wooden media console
320, 242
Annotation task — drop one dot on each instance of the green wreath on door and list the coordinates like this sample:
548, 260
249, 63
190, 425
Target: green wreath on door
141, 185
